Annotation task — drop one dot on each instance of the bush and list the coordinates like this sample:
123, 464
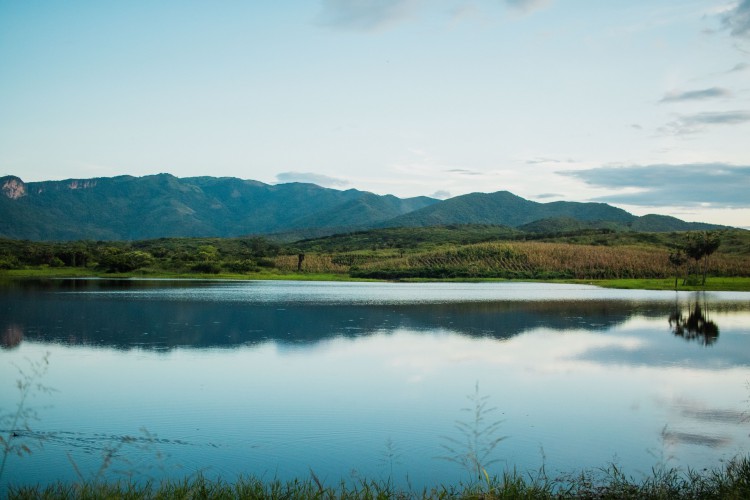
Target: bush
206, 268
56, 262
266, 263
240, 266
9, 262
115, 260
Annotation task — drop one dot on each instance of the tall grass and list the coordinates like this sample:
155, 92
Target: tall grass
18, 421
313, 263
729, 482
539, 260
475, 449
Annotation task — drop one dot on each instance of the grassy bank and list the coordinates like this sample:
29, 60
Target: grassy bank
713, 284
730, 482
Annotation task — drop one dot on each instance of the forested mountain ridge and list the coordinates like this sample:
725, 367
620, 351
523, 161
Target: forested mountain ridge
507, 209
155, 206
132, 208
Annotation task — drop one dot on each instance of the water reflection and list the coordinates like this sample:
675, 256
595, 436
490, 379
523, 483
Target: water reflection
273, 387
12, 336
157, 324
161, 315
695, 326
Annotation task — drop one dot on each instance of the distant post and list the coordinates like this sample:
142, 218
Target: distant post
300, 259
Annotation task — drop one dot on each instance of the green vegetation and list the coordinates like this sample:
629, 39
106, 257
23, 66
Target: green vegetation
134, 208
164, 256
474, 451
712, 285
730, 482
138, 208
690, 260
403, 239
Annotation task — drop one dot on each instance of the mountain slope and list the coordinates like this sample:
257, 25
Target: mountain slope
131, 208
504, 208
155, 206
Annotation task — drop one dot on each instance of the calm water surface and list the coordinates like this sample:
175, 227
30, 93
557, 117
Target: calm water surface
368, 380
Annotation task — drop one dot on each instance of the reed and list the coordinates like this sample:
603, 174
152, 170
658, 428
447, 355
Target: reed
17, 422
729, 482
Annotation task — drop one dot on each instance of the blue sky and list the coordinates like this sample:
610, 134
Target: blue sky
643, 104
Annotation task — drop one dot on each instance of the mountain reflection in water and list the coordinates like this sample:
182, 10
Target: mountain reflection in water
97, 313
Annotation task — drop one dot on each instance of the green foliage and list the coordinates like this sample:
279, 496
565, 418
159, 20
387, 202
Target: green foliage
508, 209
206, 267
405, 239
56, 262
242, 266
137, 208
731, 481
9, 262
116, 260
446, 252
198, 255
699, 247
134, 208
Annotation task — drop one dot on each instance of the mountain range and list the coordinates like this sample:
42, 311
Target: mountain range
155, 206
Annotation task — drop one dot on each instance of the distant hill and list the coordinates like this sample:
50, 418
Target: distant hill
134, 208
155, 206
653, 223
504, 208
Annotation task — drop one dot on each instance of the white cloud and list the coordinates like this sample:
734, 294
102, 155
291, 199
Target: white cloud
695, 95
527, 5
691, 124
700, 184
312, 178
441, 194
737, 20
365, 15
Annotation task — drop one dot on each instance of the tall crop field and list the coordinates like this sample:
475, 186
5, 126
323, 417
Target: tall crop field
313, 263
538, 260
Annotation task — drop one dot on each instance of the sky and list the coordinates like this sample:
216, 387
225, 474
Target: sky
643, 104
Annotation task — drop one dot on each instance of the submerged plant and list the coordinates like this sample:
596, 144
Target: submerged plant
475, 448
16, 424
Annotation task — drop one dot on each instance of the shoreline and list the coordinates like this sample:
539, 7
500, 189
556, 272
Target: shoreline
713, 284
729, 480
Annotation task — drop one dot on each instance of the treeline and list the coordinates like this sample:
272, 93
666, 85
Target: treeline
179, 255
475, 251
405, 239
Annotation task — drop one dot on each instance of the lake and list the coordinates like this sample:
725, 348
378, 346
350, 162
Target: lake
160, 378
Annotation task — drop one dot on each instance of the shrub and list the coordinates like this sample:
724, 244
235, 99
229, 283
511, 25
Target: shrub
238, 266
206, 267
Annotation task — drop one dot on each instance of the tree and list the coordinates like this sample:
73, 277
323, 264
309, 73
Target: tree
116, 260
677, 259
699, 247
208, 253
